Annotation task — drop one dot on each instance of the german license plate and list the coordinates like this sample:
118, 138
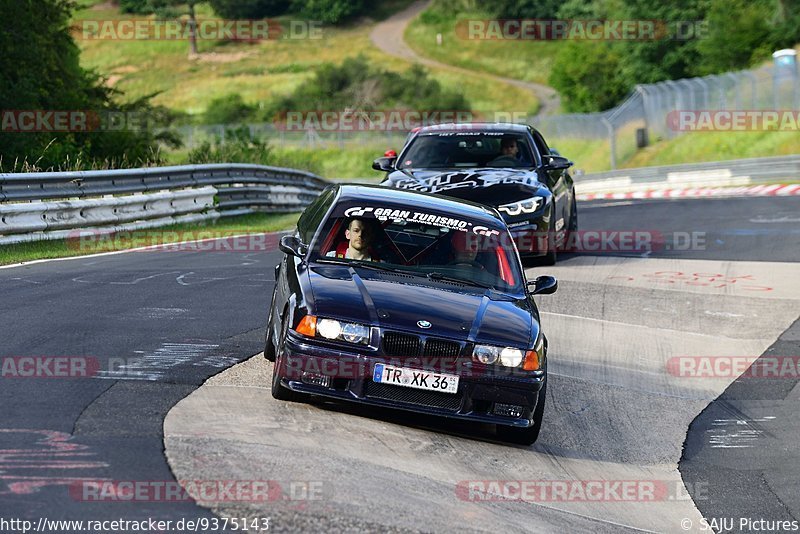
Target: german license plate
414, 378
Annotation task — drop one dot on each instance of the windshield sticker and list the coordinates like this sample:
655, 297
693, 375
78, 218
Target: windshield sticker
409, 216
456, 180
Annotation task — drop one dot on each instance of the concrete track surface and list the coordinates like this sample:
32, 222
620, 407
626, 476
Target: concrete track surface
181, 395
617, 410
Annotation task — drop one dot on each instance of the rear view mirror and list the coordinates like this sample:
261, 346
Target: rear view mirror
558, 162
292, 246
385, 163
544, 285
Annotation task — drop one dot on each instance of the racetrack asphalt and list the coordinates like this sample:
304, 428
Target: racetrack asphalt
158, 324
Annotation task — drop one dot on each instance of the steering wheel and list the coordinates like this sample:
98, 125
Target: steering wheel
504, 161
467, 263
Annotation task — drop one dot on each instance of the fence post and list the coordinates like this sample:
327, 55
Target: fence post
612, 142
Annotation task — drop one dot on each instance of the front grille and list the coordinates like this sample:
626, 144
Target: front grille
402, 345
433, 399
441, 348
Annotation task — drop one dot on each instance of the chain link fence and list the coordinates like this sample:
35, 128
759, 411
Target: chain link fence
652, 111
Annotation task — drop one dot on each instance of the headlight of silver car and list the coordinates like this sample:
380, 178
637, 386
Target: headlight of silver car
524, 206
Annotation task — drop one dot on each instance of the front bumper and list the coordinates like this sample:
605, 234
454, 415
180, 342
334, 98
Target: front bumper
309, 368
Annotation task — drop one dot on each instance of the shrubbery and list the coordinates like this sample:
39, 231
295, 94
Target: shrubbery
356, 84
231, 109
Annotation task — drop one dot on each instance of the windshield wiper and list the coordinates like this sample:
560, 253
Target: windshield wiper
439, 276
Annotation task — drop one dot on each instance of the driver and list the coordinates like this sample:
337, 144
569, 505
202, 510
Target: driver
359, 237
465, 250
508, 152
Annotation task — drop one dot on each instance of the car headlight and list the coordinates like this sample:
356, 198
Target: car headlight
509, 356
334, 330
486, 354
489, 354
524, 206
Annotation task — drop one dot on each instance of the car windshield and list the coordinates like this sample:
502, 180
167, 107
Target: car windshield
429, 245
467, 149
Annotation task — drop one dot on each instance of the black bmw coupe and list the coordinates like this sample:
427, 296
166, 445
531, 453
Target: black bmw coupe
409, 301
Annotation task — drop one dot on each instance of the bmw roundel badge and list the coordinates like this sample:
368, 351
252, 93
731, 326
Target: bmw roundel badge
424, 324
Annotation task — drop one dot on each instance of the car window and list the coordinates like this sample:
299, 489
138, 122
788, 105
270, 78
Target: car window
467, 149
423, 243
312, 216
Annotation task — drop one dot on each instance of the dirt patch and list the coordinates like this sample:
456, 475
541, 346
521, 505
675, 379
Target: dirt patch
104, 6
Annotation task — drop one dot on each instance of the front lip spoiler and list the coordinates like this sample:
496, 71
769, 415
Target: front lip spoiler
371, 401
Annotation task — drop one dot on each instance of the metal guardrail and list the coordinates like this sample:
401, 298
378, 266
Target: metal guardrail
43, 205
710, 174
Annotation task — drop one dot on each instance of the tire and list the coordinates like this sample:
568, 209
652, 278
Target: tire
278, 391
572, 227
269, 346
526, 436
552, 250
551, 256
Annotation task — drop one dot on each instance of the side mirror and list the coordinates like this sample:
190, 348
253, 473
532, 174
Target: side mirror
544, 285
293, 246
557, 162
385, 163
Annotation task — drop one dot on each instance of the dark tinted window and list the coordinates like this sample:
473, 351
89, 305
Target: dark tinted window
312, 217
468, 149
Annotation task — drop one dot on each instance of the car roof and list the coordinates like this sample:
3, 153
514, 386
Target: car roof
509, 127
413, 199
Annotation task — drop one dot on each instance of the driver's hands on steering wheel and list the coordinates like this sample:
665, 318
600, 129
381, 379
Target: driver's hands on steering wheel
504, 160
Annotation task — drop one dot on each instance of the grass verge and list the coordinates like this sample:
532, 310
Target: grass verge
246, 224
530, 60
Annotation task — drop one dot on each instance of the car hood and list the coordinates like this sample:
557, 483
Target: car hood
398, 301
492, 186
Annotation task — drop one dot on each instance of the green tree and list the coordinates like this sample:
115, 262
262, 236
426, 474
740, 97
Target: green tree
738, 33
40, 69
588, 76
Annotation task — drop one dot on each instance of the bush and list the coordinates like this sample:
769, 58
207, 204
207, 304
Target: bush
239, 147
230, 109
249, 9
355, 84
330, 11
